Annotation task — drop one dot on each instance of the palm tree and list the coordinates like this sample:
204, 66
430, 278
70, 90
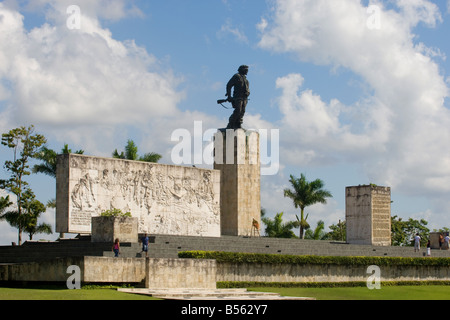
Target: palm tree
48, 166
276, 228
317, 233
305, 194
131, 153
50, 158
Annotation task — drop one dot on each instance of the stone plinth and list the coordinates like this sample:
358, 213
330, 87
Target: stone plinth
180, 273
107, 229
236, 156
368, 215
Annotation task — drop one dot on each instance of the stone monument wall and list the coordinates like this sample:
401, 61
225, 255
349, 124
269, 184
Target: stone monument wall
368, 215
166, 199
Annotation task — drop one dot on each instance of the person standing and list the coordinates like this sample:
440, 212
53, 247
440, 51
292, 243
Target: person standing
447, 242
145, 240
417, 243
116, 248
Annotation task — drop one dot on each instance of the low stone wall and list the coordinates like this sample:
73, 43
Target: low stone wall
47, 271
199, 273
92, 269
245, 272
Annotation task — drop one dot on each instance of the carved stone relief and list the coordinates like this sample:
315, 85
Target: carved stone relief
166, 199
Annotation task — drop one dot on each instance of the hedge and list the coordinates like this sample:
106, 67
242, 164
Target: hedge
234, 257
348, 284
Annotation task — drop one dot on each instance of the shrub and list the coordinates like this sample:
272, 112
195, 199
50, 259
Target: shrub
233, 257
115, 213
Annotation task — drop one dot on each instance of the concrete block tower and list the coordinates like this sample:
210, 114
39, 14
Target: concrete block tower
368, 215
236, 155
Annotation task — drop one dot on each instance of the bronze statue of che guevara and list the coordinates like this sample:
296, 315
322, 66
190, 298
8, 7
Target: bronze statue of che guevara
239, 98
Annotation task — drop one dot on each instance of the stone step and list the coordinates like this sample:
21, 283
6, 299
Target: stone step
209, 294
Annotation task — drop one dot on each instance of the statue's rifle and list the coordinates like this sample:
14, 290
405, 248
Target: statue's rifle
221, 102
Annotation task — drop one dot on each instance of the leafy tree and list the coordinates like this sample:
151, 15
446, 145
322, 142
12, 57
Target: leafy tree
305, 194
338, 231
4, 203
25, 145
27, 219
131, 153
403, 232
276, 228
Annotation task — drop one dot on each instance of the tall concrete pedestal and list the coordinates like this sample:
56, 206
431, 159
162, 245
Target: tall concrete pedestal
236, 155
368, 215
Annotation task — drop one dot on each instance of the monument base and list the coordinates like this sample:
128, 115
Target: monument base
107, 229
236, 156
368, 215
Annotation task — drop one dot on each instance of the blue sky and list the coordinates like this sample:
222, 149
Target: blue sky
354, 102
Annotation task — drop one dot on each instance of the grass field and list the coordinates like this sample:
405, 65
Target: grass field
362, 293
65, 294
358, 293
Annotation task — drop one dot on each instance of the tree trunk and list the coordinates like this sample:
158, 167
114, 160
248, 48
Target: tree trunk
302, 234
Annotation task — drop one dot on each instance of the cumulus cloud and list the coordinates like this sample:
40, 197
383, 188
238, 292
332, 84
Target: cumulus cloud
61, 76
81, 78
398, 130
403, 125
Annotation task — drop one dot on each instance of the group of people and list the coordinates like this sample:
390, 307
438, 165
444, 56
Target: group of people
144, 240
443, 243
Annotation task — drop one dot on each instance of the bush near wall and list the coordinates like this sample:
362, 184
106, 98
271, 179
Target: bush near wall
347, 284
233, 257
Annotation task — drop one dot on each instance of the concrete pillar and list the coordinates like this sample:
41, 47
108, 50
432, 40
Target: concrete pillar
236, 155
368, 215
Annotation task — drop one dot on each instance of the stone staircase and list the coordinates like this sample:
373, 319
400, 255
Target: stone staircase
169, 246
35, 251
165, 246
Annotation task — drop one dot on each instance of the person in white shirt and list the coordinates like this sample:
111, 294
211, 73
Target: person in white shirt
417, 243
446, 242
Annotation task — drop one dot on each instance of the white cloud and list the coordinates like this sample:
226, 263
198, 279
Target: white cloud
62, 76
229, 29
402, 131
82, 80
103, 9
416, 11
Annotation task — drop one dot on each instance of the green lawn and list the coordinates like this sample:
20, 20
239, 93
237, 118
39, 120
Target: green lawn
66, 294
363, 293
358, 293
